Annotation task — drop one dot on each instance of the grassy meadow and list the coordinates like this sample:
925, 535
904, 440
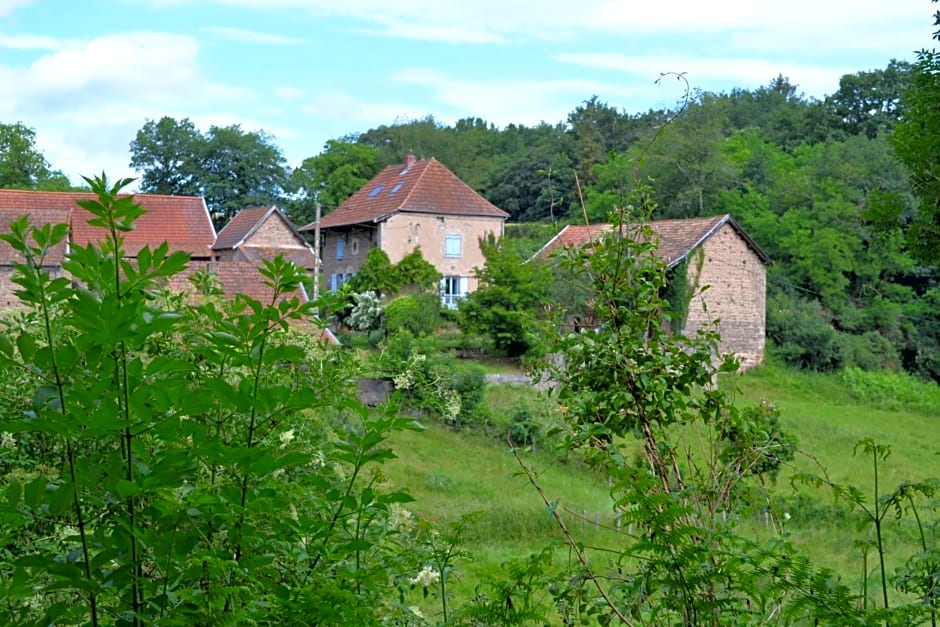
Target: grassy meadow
452, 474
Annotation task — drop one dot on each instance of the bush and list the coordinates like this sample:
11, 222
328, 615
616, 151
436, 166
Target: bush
893, 390
418, 314
803, 336
869, 351
366, 314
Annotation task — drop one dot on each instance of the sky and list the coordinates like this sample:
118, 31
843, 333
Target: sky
87, 74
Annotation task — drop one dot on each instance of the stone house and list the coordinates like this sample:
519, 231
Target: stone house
416, 204
721, 256
263, 233
182, 222
8, 257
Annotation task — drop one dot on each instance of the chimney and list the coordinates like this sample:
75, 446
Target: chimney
410, 160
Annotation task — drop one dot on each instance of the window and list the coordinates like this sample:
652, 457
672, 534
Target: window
378, 188
453, 289
452, 246
340, 247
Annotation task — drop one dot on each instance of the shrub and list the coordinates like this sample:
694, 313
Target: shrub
366, 314
803, 336
419, 314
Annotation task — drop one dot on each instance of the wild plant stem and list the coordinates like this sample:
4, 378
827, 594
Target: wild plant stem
569, 539
69, 450
881, 549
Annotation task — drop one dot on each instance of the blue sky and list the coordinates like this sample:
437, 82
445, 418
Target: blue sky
87, 74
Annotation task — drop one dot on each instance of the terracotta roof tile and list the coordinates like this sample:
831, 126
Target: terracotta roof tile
56, 255
181, 221
243, 277
425, 187
676, 237
241, 226
302, 257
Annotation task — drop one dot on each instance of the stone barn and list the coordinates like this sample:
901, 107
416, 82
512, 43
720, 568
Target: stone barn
721, 256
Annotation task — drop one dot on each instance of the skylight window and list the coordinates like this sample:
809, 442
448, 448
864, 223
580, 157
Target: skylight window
378, 188
395, 189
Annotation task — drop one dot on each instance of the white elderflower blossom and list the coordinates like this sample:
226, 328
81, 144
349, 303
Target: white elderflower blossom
416, 611
7, 440
404, 380
400, 518
287, 437
427, 577
452, 406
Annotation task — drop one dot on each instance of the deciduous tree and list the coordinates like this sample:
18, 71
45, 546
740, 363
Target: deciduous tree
22, 165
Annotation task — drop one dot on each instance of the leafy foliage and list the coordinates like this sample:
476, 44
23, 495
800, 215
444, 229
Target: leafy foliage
634, 380
505, 305
22, 165
183, 463
232, 168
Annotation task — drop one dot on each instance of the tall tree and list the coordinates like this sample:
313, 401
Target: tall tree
917, 142
870, 102
232, 168
168, 153
331, 177
22, 165
240, 169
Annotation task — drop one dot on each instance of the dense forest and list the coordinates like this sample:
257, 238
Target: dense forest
817, 183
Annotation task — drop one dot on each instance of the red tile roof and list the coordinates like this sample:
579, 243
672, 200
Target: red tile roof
425, 187
56, 255
677, 237
182, 221
243, 277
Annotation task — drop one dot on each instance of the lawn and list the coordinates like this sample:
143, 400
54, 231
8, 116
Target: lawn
452, 474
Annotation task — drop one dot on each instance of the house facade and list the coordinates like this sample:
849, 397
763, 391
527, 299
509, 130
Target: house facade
418, 204
719, 255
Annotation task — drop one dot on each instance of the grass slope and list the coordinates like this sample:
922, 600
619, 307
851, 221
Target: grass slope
452, 474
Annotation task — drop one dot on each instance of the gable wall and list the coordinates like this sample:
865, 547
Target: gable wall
273, 233
736, 295
402, 232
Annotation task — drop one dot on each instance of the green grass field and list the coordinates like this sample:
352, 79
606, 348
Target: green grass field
451, 474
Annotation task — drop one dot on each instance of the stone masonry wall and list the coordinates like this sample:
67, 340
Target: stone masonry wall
736, 295
273, 233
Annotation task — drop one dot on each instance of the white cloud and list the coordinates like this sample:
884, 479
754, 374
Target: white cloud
33, 42
339, 105
8, 6
252, 37
92, 96
289, 92
702, 71
809, 25
511, 100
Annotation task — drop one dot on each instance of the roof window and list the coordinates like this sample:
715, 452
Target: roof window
395, 189
378, 188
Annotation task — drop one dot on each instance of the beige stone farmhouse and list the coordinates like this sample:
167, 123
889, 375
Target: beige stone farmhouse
724, 258
416, 204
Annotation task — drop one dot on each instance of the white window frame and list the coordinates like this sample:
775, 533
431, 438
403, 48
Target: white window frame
453, 246
453, 290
